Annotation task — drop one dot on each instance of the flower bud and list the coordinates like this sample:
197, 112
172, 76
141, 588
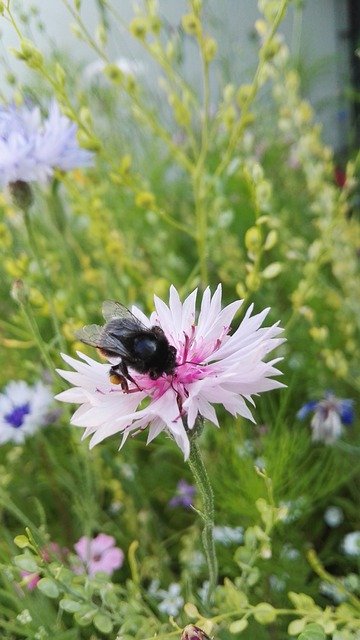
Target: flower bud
191, 632
19, 292
21, 194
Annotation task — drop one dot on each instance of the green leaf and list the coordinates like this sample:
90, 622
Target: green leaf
48, 587
85, 615
71, 606
234, 597
313, 631
296, 626
22, 542
238, 625
103, 623
26, 563
264, 613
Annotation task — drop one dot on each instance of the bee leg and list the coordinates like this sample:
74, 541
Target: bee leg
118, 378
121, 376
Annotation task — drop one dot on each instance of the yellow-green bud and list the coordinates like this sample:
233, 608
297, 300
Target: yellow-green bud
253, 281
253, 239
191, 24
210, 49
101, 34
30, 54
271, 240
114, 74
145, 200
139, 27
155, 24
243, 94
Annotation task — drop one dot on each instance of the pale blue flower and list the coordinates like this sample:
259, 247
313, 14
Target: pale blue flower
330, 414
228, 535
172, 600
334, 516
31, 147
351, 544
23, 410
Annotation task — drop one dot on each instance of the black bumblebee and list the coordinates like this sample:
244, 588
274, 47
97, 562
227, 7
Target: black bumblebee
144, 350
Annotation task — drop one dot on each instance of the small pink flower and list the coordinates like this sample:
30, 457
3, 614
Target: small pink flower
30, 580
99, 554
213, 366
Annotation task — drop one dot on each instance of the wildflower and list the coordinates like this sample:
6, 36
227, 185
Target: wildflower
32, 147
329, 416
212, 367
184, 495
228, 535
172, 601
333, 516
98, 554
351, 544
23, 410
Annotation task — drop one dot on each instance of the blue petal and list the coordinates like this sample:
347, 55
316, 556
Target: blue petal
306, 409
346, 411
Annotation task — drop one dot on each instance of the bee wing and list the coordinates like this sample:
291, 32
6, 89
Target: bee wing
91, 334
95, 336
113, 310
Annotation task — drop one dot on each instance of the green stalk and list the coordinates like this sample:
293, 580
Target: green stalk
203, 485
49, 295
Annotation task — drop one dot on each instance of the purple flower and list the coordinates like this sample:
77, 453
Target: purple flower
184, 495
330, 414
98, 554
212, 367
32, 147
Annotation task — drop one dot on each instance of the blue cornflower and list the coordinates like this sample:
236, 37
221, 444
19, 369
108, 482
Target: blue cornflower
32, 147
23, 410
184, 496
330, 414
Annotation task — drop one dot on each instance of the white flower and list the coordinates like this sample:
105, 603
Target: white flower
351, 544
333, 516
212, 367
23, 410
172, 601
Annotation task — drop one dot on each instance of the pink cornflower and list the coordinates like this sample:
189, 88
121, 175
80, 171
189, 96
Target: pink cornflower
212, 367
99, 554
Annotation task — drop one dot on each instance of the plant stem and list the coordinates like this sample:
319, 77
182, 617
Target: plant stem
35, 250
202, 481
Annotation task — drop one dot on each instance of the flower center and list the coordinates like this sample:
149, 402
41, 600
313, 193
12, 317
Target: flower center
16, 417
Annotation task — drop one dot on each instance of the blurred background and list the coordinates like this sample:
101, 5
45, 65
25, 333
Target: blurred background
323, 36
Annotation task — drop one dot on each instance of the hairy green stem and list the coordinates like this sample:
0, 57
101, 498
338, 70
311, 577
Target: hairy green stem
203, 485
